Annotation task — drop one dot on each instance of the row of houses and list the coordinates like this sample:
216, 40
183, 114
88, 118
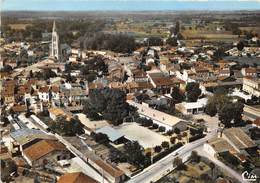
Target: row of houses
232, 140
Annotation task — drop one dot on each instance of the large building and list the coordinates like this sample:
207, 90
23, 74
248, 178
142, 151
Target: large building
55, 43
162, 119
251, 85
45, 151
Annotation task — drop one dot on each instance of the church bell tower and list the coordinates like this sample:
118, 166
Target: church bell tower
55, 43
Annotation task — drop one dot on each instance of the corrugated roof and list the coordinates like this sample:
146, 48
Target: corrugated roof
25, 135
238, 138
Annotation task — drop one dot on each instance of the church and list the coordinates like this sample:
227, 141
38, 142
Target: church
55, 49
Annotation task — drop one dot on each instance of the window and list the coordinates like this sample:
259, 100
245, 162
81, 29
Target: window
200, 109
189, 110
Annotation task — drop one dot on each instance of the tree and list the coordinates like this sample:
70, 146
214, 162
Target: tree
173, 140
177, 28
7, 167
225, 114
179, 137
220, 91
193, 91
66, 127
172, 41
162, 129
154, 41
194, 157
176, 95
115, 42
219, 54
212, 167
178, 163
240, 46
90, 112
177, 131
184, 134
91, 77
7, 68
47, 74
116, 156
157, 149
216, 102
142, 97
169, 132
101, 138
211, 109
155, 126
135, 153
231, 111
139, 120
180, 36
147, 122
165, 145
237, 111
110, 103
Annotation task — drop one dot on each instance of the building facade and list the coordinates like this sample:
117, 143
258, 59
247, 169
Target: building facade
252, 86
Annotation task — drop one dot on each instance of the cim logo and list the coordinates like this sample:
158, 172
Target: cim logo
249, 176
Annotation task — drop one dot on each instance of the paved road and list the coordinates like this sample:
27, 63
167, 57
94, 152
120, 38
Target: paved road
224, 167
162, 167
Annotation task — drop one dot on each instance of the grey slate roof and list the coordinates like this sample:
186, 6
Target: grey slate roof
25, 135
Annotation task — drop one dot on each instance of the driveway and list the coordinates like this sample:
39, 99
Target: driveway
211, 122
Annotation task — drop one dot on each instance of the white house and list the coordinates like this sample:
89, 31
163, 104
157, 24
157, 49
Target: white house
43, 94
55, 93
251, 86
217, 145
72, 58
162, 119
76, 52
192, 107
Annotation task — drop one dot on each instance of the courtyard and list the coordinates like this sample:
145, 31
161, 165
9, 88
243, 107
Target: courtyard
146, 138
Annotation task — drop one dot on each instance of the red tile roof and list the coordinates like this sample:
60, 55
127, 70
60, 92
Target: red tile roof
44, 89
257, 122
19, 108
77, 177
42, 148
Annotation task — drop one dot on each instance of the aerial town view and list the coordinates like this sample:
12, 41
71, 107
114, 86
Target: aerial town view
112, 91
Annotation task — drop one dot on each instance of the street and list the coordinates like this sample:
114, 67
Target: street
164, 166
224, 167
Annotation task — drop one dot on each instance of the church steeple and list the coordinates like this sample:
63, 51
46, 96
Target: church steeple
54, 26
55, 43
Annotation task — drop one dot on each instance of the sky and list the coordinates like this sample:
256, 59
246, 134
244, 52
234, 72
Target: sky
128, 5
